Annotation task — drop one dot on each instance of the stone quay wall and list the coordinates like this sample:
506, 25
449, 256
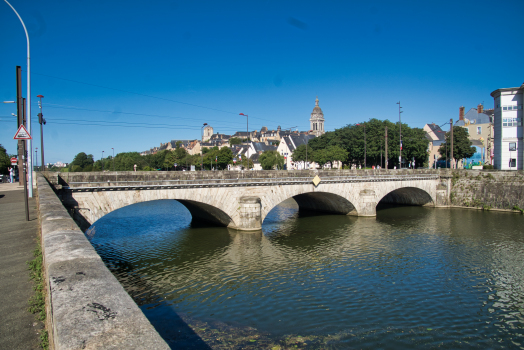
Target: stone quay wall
488, 189
87, 308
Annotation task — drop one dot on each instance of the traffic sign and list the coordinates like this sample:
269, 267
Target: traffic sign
22, 134
14, 160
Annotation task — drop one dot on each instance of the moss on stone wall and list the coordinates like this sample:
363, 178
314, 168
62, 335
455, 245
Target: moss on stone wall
487, 190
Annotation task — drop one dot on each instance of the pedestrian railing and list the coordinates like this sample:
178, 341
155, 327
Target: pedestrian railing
240, 182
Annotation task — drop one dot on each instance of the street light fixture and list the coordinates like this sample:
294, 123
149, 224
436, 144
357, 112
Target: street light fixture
102, 161
29, 160
247, 126
400, 133
41, 120
202, 148
113, 158
365, 144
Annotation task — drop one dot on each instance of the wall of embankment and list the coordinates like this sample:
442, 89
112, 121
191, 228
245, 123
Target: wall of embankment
87, 308
487, 190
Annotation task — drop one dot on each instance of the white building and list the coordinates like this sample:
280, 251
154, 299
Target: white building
508, 145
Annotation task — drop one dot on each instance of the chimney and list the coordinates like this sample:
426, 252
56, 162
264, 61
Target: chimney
480, 108
461, 113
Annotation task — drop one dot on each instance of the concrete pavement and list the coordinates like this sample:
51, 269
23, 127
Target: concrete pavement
18, 238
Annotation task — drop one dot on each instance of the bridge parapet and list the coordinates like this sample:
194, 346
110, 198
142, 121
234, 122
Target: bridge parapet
218, 182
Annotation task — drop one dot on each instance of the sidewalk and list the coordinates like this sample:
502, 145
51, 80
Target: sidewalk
18, 238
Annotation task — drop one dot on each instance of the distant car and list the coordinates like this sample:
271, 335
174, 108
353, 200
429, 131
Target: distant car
441, 163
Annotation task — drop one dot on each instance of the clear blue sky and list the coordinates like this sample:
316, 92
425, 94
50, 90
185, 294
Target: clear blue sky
174, 65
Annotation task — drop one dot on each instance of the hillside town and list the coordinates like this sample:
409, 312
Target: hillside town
495, 134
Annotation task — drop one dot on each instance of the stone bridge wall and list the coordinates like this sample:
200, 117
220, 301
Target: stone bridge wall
231, 202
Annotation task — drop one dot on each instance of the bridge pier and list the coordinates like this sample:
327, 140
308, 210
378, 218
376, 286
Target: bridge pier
368, 203
250, 212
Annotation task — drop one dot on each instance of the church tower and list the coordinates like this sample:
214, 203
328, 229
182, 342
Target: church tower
317, 120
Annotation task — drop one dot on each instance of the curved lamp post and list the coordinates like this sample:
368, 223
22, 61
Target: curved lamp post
29, 159
400, 135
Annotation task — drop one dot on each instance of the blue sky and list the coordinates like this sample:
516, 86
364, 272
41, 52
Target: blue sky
109, 68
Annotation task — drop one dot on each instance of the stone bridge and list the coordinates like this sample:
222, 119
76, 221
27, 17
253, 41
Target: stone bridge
241, 200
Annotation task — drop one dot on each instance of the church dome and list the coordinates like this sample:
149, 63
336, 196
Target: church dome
317, 111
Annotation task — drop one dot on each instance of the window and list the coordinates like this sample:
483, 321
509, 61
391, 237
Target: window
512, 146
511, 108
510, 122
479, 130
512, 163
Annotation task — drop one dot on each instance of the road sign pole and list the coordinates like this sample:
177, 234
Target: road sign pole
24, 162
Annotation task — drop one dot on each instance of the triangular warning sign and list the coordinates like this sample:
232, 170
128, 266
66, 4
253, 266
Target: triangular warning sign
22, 134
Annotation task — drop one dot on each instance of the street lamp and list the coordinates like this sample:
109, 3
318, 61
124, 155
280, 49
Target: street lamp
29, 160
36, 157
41, 120
400, 133
113, 158
202, 148
365, 144
247, 126
102, 161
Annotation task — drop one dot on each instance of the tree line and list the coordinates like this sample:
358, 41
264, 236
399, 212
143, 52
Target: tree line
348, 145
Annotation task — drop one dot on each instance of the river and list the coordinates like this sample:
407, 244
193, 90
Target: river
413, 277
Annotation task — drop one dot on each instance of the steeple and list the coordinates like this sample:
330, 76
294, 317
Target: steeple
317, 120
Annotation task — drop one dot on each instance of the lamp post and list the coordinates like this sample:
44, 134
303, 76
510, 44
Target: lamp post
36, 157
29, 162
202, 148
247, 126
102, 161
41, 120
400, 135
365, 144
113, 158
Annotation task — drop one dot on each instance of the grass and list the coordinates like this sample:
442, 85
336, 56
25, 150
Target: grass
37, 301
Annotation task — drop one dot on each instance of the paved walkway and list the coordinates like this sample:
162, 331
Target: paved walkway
18, 328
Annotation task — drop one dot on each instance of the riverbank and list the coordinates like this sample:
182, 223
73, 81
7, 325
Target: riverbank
18, 239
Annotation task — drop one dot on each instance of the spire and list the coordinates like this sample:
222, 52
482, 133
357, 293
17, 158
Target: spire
316, 102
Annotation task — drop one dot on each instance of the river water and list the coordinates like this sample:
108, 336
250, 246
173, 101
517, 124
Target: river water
412, 277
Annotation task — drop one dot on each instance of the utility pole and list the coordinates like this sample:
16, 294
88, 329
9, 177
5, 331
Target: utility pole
451, 137
24, 168
386, 146
19, 121
41, 120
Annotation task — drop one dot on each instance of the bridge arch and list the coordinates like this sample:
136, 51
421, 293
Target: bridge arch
91, 206
408, 196
326, 200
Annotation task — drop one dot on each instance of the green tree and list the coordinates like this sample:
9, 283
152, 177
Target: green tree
271, 159
462, 147
336, 153
177, 156
235, 141
302, 153
351, 139
5, 161
81, 161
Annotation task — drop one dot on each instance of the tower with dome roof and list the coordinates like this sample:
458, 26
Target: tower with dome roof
317, 120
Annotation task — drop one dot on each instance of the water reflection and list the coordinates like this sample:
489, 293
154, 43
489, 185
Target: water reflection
411, 277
